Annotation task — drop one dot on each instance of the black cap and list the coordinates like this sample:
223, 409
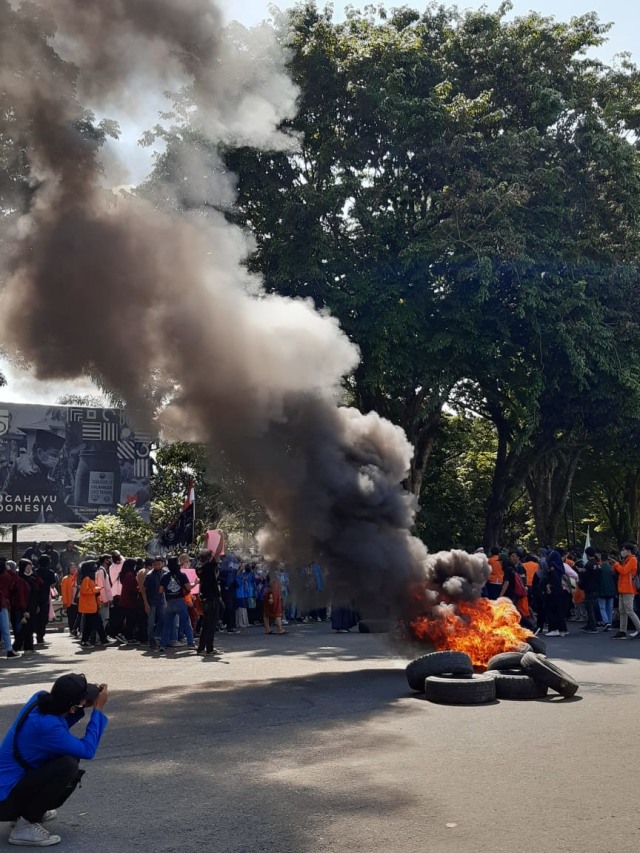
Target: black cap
71, 689
44, 438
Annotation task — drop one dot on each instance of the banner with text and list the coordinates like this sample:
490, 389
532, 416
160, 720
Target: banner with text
69, 464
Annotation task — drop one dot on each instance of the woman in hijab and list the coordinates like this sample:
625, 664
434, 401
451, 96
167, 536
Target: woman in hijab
88, 605
27, 602
555, 599
128, 581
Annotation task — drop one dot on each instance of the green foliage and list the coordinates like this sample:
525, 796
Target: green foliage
221, 500
457, 486
125, 530
465, 184
465, 199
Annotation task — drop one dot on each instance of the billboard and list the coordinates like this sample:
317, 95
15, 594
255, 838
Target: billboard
66, 464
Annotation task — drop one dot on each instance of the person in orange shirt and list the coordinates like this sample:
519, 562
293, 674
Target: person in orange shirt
626, 572
496, 578
68, 587
88, 605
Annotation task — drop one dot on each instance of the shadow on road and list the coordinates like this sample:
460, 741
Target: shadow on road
253, 767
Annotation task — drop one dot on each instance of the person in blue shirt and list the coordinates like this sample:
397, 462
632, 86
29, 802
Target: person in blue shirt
39, 757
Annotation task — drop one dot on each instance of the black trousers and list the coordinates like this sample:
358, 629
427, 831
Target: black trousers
93, 622
42, 620
208, 628
556, 607
116, 620
23, 640
43, 788
593, 610
130, 621
72, 615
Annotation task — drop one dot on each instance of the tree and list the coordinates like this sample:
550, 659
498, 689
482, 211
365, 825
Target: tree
461, 179
125, 530
465, 201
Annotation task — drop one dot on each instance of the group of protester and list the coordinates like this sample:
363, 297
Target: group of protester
158, 602
551, 587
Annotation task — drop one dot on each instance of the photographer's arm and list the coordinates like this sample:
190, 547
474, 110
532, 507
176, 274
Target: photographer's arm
59, 740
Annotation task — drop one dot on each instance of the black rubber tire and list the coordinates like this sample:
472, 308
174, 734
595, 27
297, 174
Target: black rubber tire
374, 626
437, 663
544, 672
475, 690
518, 686
538, 645
505, 660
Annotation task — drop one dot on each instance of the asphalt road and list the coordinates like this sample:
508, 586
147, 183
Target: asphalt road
312, 742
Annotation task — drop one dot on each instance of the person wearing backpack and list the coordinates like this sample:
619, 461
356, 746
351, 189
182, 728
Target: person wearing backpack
513, 578
39, 757
626, 572
176, 586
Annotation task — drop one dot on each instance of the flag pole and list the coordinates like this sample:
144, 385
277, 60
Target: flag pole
193, 525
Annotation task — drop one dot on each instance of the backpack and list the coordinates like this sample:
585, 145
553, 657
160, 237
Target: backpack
519, 589
174, 587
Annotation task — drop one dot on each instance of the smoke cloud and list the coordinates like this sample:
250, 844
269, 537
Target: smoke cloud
134, 290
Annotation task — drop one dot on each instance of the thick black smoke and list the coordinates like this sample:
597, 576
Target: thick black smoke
116, 286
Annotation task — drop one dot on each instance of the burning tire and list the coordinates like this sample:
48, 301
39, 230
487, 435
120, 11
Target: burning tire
437, 663
538, 645
474, 690
547, 673
518, 686
506, 660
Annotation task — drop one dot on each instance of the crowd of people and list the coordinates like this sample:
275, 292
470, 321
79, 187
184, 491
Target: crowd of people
157, 602
166, 602
551, 587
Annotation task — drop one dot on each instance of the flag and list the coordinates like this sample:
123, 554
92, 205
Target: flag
179, 533
587, 544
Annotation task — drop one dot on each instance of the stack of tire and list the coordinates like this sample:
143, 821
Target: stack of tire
448, 677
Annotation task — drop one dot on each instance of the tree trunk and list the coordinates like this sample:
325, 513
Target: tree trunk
496, 505
423, 444
548, 484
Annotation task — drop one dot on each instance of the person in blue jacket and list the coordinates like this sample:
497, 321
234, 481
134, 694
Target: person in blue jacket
39, 757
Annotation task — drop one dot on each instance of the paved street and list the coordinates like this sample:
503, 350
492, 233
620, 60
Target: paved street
312, 742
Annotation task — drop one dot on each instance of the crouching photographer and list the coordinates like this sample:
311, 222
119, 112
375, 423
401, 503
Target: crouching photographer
39, 757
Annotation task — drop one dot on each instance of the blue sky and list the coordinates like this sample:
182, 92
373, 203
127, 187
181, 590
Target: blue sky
625, 15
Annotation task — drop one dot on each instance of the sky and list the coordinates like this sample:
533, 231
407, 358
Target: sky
624, 14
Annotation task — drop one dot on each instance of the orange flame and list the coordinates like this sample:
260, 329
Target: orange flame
480, 628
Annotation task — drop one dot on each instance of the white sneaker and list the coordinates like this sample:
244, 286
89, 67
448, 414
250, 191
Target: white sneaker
52, 814
553, 633
25, 834
634, 634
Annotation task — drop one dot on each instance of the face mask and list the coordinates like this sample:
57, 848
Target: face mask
624, 554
